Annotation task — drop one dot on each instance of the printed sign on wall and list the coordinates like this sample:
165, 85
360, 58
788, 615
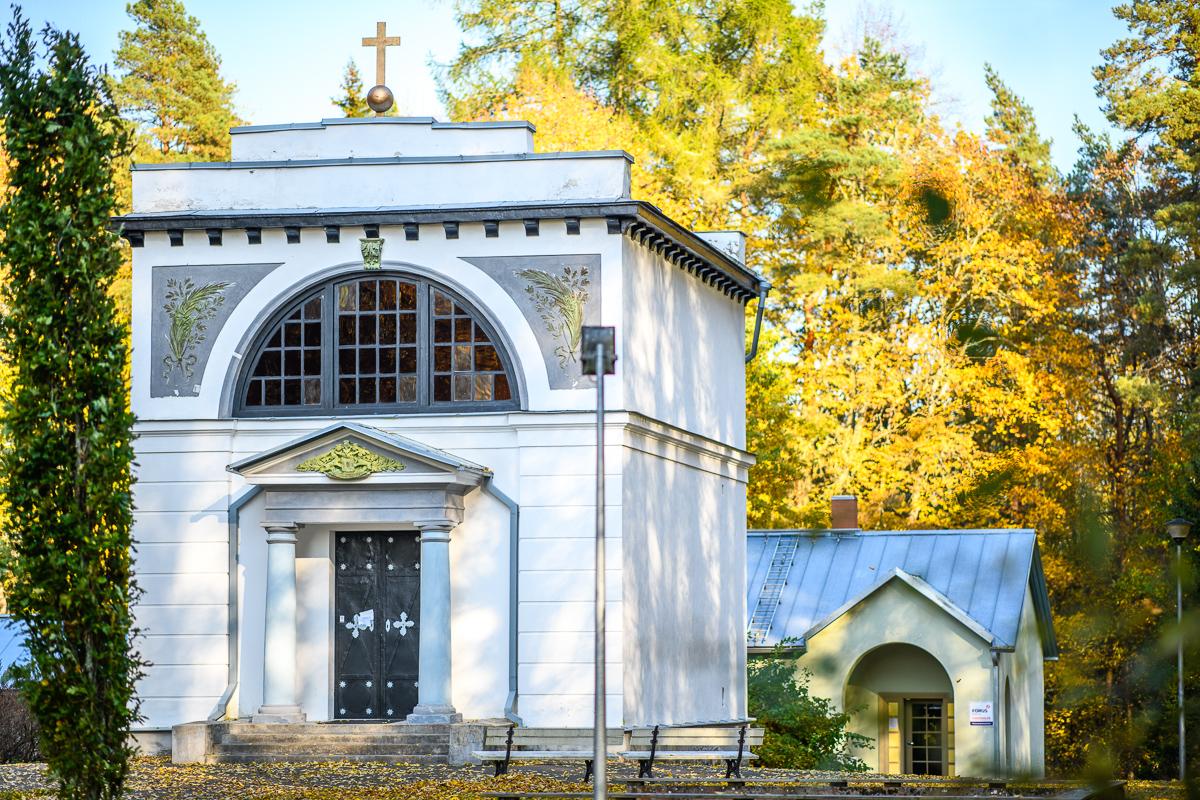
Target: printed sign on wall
981, 713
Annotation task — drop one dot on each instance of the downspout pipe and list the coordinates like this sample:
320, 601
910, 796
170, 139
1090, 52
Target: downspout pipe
514, 576
764, 288
996, 770
233, 516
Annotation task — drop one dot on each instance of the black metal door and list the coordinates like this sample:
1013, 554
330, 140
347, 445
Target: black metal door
377, 604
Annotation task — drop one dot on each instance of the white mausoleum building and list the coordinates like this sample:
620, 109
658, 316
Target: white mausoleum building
365, 448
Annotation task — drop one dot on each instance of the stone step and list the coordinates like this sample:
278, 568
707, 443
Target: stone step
221, 758
318, 750
335, 728
379, 738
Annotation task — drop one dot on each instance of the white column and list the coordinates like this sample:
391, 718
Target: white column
279, 663
433, 661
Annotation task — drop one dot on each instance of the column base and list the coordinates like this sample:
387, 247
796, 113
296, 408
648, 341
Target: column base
433, 715
278, 714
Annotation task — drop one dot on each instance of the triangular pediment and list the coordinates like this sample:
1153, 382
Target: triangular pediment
349, 454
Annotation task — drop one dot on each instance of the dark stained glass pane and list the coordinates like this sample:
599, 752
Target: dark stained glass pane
269, 363
272, 396
312, 334
346, 393
291, 334
274, 340
366, 330
346, 329
387, 295
312, 362
442, 304
442, 331
366, 390
254, 393
408, 360
408, 328
387, 361
463, 330
291, 393
501, 390
312, 309
408, 296
346, 361
487, 359
366, 295
387, 390
291, 362
480, 336
441, 388
441, 359
387, 329
366, 361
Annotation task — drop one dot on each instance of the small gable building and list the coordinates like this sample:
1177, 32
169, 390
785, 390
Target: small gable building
933, 641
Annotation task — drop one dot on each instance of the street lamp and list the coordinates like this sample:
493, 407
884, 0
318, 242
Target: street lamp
1178, 529
598, 357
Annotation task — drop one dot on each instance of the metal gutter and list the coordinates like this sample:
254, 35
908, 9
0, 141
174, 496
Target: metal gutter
232, 516
514, 577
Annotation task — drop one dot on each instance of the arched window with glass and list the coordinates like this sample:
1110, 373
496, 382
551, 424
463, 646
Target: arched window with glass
387, 343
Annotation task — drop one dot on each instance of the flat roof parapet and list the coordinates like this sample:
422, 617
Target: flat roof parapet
378, 137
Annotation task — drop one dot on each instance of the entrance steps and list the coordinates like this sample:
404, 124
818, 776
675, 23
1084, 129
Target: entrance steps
246, 742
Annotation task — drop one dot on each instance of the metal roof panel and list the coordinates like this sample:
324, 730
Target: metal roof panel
982, 573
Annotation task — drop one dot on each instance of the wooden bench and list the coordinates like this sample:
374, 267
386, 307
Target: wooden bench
729, 741
502, 746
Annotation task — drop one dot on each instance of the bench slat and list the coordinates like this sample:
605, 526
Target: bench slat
684, 755
491, 755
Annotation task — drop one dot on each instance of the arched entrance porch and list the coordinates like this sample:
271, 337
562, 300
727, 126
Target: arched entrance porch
900, 696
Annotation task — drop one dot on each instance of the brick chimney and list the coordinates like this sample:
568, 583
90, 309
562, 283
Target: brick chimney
844, 512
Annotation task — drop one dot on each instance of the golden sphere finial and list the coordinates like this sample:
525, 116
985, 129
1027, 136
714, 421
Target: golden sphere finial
380, 98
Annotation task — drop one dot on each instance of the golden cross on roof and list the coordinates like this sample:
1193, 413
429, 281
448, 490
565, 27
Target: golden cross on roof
381, 41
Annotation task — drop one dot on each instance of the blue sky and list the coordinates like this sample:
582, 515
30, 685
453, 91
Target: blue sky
287, 56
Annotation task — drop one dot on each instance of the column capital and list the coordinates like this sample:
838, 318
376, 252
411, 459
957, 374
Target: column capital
434, 530
281, 532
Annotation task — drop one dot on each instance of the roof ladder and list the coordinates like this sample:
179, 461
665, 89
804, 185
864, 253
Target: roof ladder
772, 589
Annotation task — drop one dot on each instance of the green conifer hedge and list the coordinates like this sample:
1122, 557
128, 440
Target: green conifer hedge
65, 467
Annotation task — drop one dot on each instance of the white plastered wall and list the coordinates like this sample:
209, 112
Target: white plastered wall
1023, 669
897, 613
684, 532
686, 342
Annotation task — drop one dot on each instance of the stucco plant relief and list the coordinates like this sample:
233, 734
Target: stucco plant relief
189, 308
560, 300
349, 461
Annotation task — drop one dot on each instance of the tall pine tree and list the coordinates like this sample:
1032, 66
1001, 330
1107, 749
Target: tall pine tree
171, 86
66, 465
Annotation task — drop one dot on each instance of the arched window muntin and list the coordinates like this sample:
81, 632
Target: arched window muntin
430, 313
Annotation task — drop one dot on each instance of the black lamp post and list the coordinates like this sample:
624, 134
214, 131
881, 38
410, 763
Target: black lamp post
1178, 529
598, 357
